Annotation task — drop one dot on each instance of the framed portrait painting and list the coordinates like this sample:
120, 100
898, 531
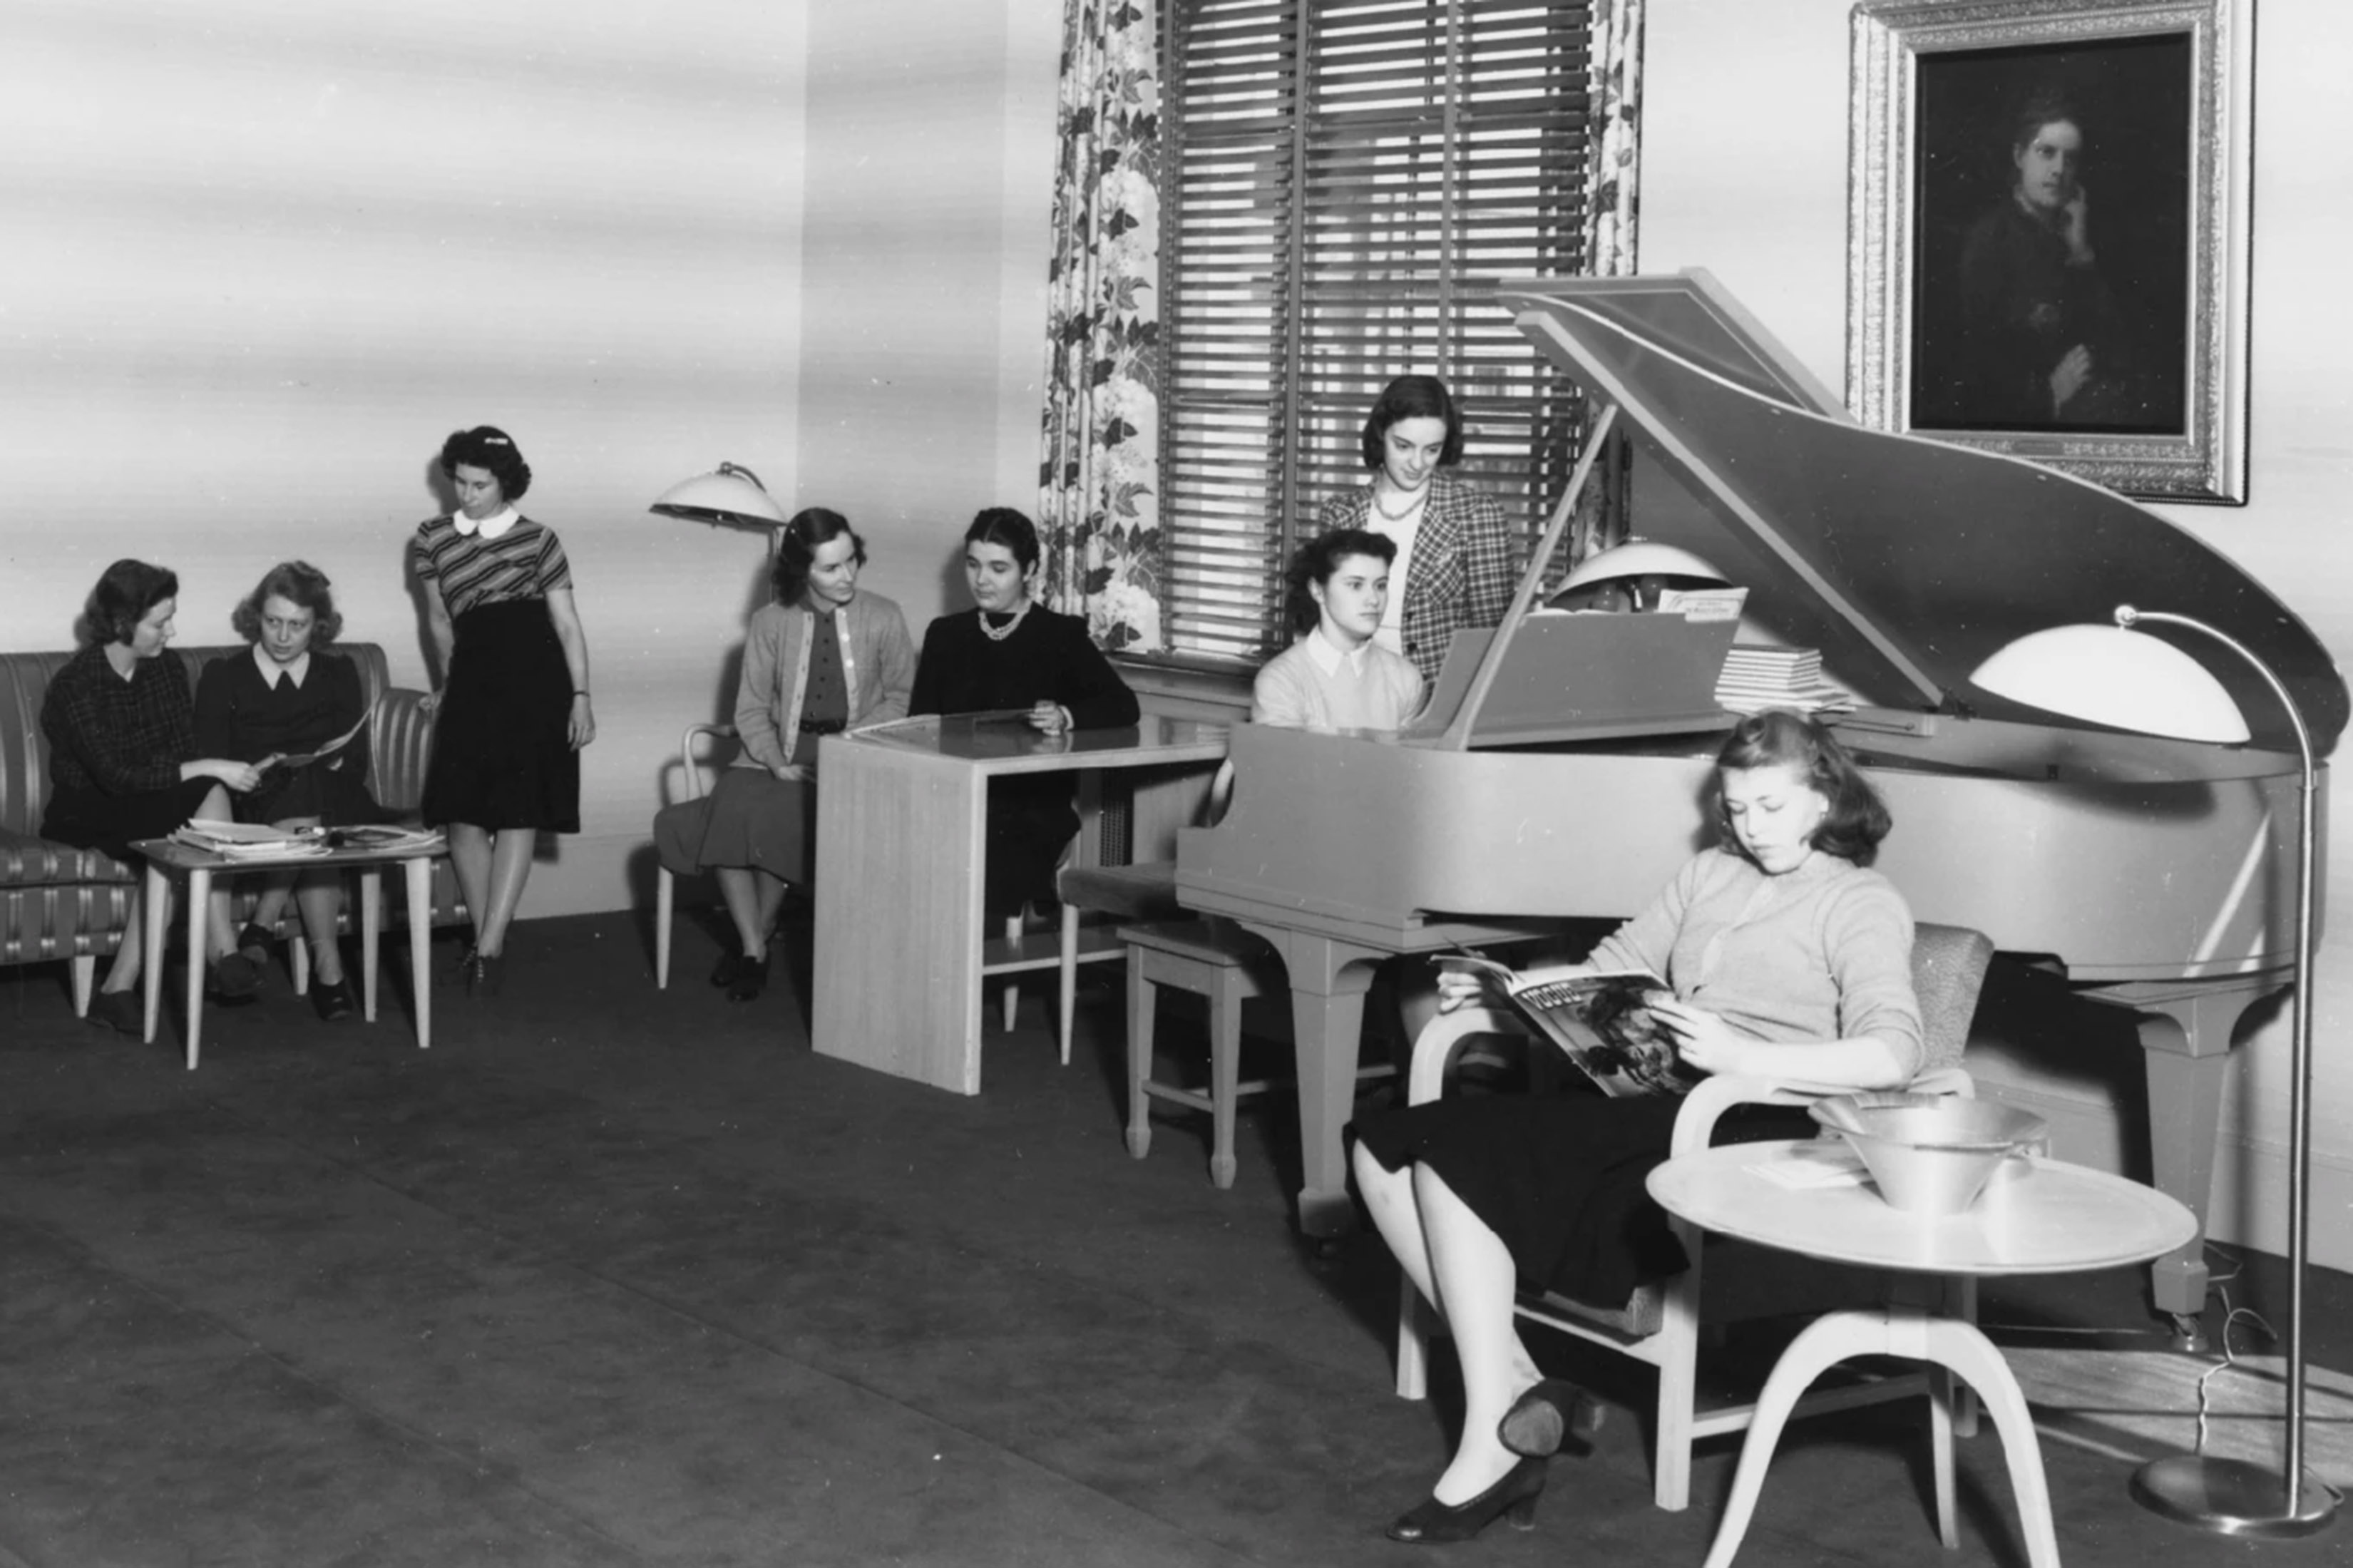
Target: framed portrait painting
2048, 231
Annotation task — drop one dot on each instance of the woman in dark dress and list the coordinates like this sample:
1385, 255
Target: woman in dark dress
1012, 652
1789, 959
513, 711
290, 698
123, 763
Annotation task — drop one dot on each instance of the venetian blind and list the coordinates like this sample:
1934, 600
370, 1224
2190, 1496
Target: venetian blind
1345, 182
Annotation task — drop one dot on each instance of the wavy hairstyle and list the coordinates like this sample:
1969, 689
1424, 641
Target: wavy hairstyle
1413, 397
1313, 567
1003, 525
125, 592
297, 583
1857, 819
488, 446
796, 549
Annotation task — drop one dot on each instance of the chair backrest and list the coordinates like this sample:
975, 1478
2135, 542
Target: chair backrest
1948, 966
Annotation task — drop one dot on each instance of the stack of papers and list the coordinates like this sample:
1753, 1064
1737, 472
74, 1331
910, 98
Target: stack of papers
252, 840
377, 836
1758, 676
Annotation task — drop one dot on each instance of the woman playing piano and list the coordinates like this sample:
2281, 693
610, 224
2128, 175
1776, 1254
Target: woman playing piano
1788, 957
1009, 652
1337, 675
826, 655
1453, 566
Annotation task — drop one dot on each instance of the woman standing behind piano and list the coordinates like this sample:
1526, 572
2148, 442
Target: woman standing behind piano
1454, 545
1011, 652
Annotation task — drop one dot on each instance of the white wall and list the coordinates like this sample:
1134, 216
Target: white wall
1745, 160
261, 258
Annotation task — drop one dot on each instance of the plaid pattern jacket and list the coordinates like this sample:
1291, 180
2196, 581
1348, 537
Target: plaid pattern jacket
1462, 573
111, 736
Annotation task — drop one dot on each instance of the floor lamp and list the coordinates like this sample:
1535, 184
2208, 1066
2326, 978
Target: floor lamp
731, 497
2111, 676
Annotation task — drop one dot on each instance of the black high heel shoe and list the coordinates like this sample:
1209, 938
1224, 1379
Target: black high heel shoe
1555, 1413
1431, 1522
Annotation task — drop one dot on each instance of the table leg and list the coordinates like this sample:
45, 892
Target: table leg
1328, 981
1942, 1341
152, 914
420, 870
370, 923
200, 897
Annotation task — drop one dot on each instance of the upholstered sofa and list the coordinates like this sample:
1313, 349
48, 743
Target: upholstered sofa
61, 903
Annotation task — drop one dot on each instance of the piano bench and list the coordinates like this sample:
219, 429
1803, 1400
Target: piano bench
1212, 959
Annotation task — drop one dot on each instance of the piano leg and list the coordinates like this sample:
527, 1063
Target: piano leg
1328, 981
2184, 1034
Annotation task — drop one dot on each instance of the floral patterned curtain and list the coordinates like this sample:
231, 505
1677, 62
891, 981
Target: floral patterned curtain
1613, 170
1099, 482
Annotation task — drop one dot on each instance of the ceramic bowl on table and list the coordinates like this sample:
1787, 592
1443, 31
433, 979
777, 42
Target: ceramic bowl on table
1930, 1154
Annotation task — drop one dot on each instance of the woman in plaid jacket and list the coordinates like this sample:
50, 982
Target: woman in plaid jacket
1454, 547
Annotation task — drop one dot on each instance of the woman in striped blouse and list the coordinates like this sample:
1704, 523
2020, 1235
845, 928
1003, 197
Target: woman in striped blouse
513, 710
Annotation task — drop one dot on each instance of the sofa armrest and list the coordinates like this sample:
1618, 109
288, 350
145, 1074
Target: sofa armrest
400, 739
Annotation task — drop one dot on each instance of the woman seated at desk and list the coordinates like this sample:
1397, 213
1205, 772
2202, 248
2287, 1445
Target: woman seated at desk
1788, 958
123, 763
1336, 676
1011, 652
825, 655
290, 698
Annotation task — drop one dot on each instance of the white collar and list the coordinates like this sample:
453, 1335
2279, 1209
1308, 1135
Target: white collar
490, 527
271, 670
1330, 655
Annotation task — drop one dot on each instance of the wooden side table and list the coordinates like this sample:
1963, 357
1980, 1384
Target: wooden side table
168, 860
2038, 1217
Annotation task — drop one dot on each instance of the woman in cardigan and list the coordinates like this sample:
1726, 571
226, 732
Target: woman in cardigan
123, 763
513, 711
1010, 651
1453, 564
1788, 958
290, 698
825, 655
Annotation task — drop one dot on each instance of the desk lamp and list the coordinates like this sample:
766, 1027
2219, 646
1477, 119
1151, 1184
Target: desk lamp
1638, 569
2111, 676
731, 497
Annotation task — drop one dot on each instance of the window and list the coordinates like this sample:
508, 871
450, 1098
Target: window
1345, 181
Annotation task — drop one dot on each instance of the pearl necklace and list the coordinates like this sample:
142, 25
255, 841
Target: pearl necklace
998, 633
1421, 499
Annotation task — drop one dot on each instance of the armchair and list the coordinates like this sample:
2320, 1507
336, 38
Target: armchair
1661, 1324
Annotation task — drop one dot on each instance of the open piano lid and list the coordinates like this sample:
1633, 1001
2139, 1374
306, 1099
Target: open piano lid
1907, 560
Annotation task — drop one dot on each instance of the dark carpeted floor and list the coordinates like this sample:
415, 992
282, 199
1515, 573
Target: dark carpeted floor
618, 1276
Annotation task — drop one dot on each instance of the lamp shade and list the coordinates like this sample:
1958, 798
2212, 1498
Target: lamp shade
730, 496
2108, 675
1638, 558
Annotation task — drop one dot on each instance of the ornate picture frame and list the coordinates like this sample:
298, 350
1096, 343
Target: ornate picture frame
2047, 234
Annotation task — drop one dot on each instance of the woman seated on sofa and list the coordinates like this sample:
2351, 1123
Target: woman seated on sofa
290, 698
1010, 652
1788, 957
826, 655
123, 763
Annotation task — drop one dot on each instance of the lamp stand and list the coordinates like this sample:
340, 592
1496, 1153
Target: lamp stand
2235, 1496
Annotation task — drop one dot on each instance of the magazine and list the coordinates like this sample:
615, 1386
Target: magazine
302, 759
1602, 1022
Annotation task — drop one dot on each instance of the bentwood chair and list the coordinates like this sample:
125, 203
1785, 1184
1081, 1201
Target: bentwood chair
665, 885
1663, 1322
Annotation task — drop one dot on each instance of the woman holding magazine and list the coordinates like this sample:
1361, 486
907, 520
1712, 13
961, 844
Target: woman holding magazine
295, 711
1787, 955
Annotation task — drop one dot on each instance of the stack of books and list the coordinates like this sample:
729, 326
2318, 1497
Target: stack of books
1757, 677
251, 840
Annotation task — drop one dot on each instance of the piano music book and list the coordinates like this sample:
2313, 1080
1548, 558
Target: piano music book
1602, 1022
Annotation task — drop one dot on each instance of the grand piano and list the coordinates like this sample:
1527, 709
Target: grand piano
2159, 874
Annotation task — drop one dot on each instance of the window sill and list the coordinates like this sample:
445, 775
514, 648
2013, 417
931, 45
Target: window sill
1213, 694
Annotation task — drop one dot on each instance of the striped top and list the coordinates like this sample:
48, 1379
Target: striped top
526, 561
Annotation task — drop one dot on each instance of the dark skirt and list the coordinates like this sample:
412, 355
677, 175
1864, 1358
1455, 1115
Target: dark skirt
337, 797
750, 818
88, 819
1560, 1178
503, 756
1030, 823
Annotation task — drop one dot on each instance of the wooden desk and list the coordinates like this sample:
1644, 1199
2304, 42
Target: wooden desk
2037, 1216
168, 860
901, 812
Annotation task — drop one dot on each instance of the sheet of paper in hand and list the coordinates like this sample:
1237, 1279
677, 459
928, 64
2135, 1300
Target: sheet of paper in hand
300, 759
1602, 1022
